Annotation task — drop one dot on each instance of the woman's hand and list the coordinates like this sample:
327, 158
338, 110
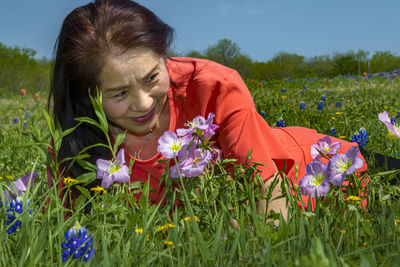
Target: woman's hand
277, 205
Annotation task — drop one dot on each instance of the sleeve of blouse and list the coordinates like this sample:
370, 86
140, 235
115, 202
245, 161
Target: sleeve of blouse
242, 129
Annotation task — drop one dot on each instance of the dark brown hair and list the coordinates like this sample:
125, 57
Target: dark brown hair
88, 34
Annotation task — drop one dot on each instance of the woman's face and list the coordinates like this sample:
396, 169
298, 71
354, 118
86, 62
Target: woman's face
134, 86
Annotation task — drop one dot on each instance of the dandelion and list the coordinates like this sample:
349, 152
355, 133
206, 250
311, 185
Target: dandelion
280, 122
112, 171
355, 199
169, 243
316, 179
139, 230
333, 118
394, 130
189, 219
341, 165
70, 180
162, 228
361, 137
324, 146
79, 244
98, 189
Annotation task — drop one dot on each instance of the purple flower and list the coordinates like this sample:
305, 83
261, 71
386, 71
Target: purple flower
206, 127
15, 120
112, 171
324, 146
19, 186
170, 144
316, 178
341, 165
394, 130
191, 162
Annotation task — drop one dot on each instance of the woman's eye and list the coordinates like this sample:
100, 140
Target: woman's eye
151, 78
120, 94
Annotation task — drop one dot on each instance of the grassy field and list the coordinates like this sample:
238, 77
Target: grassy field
126, 232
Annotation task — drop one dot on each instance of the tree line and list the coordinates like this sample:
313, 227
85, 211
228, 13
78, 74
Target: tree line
284, 65
20, 69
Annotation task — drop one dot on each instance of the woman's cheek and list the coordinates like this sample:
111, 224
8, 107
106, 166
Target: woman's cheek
113, 110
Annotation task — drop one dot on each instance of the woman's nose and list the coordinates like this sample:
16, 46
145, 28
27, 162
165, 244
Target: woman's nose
141, 101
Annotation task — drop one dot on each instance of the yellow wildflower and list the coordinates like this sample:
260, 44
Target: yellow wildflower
362, 116
365, 244
139, 230
353, 198
342, 231
98, 189
162, 228
338, 113
356, 199
169, 243
283, 97
195, 218
9, 177
19, 110
165, 227
398, 190
1, 178
398, 220
69, 180
333, 118
348, 101
342, 137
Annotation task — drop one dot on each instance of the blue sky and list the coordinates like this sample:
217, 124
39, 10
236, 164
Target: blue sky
261, 28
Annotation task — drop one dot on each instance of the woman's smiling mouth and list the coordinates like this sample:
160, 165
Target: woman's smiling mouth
146, 117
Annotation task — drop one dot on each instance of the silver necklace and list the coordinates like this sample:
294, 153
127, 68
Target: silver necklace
137, 154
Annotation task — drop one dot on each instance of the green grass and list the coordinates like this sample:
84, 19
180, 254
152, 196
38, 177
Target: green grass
335, 234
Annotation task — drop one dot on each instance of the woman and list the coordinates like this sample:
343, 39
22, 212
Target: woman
121, 47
